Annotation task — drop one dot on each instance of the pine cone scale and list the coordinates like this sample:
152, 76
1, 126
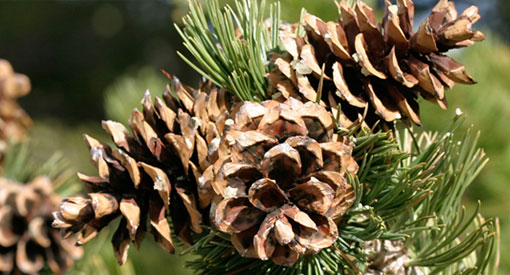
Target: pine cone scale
24, 261
160, 226
120, 242
129, 208
266, 195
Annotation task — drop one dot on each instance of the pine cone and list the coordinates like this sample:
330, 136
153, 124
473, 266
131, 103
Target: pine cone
280, 180
388, 257
13, 120
152, 172
358, 64
27, 240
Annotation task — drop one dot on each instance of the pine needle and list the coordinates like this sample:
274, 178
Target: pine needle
231, 46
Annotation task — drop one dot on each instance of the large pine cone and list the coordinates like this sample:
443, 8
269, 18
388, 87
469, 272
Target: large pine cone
13, 120
282, 188
28, 243
152, 173
358, 64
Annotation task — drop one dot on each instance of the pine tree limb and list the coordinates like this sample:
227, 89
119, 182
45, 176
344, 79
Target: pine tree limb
408, 193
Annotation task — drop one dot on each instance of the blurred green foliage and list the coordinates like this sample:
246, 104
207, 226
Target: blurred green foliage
126, 93
72, 50
291, 9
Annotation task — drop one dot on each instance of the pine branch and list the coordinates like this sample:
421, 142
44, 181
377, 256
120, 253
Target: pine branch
231, 46
407, 189
458, 243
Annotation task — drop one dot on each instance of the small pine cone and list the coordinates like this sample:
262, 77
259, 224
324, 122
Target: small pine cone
280, 180
28, 243
388, 257
151, 173
359, 64
14, 122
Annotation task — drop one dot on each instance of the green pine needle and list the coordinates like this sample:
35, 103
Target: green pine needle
218, 256
231, 46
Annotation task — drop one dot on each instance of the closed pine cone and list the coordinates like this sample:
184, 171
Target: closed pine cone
280, 180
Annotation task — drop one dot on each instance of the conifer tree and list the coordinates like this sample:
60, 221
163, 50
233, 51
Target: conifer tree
295, 154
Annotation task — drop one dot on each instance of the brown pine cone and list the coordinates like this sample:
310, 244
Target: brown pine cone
14, 122
28, 243
359, 64
152, 173
280, 180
